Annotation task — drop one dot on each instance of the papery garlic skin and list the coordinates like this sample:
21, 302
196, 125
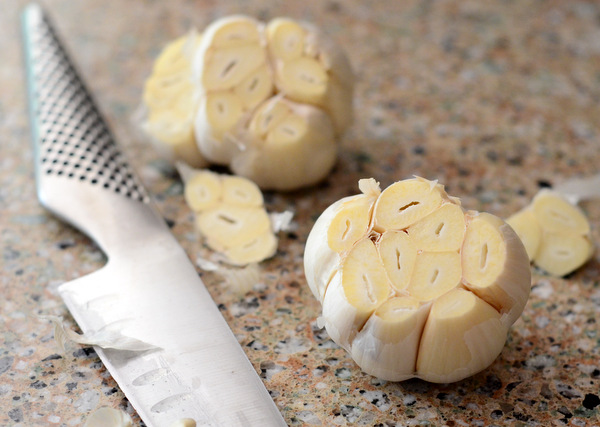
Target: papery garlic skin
412, 285
268, 100
556, 233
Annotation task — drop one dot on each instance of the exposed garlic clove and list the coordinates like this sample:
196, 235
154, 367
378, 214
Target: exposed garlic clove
562, 253
495, 264
350, 223
320, 260
387, 345
285, 39
255, 88
170, 98
228, 226
218, 113
357, 289
238, 191
555, 233
463, 335
434, 274
528, 229
297, 150
399, 255
555, 214
405, 202
479, 287
258, 249
442, 230
203, 190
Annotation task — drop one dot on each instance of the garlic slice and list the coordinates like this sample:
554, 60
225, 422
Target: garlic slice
556, 233
412, 285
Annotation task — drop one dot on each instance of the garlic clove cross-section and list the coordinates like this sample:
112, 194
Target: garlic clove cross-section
411, 285
170, 99
556, 233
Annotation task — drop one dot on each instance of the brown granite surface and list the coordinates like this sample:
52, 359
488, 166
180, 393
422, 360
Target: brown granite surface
495, 99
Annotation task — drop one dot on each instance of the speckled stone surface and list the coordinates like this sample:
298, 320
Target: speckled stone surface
495, 99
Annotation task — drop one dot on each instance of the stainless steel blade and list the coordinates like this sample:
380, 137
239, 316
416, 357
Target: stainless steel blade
148, 290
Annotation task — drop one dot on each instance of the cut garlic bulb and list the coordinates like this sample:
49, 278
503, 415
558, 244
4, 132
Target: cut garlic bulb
412, 285
269, 100
556, 233
170, 99
230, 215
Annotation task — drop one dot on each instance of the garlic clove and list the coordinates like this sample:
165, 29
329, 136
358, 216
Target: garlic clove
405, 202
495, 264
441, 231
387, 345
555, 214
434, 274
528, 229
218, 112
303, 80
359, 287
238, 191
258, 249
170, 98
462, 336
255, 88
350, 223
285, 39
228, 226
398, 253
561, 253
203, 190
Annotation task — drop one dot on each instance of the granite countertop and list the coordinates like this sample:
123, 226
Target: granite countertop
494, 99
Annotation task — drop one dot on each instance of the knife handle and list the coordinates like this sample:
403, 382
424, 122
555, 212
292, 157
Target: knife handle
81, 175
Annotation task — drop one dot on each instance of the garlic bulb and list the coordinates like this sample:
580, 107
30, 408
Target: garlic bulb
267, 100
230, 215
411, 285
556, 233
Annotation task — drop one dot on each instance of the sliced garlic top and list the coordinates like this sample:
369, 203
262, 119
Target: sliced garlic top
556, 233
412, 285
269, 100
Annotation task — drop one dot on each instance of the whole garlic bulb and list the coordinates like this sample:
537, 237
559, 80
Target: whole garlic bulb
270, 100
411, 285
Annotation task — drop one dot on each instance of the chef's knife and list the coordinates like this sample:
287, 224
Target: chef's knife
148, 291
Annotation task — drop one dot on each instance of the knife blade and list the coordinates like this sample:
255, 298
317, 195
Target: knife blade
148, 291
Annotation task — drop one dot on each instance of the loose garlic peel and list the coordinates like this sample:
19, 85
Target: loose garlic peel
412, 285
269, 100
556, 233
230, 215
